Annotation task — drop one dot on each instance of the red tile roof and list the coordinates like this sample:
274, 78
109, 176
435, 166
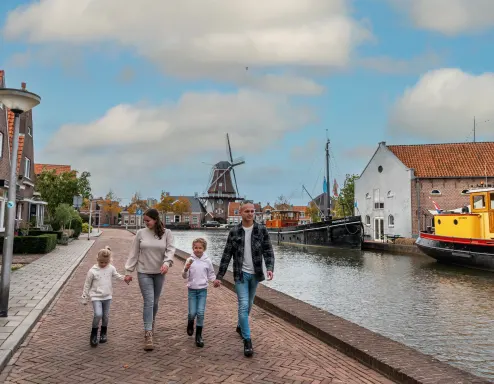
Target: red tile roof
300, 208
447, 160
38, 168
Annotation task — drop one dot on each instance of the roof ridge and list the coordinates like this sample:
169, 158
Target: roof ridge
436, 144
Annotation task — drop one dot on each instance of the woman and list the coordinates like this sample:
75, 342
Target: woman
152, 252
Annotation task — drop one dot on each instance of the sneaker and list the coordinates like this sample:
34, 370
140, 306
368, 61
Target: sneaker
148, 341
248, 350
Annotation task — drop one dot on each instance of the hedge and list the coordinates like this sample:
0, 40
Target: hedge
33, 244
37, 232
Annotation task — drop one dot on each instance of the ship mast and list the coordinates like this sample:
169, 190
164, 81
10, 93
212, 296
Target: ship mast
328, 201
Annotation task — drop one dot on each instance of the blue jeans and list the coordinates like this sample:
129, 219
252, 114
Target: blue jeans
246, 291
151, 286
101, 310
197, 305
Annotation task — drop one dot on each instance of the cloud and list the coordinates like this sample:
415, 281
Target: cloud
389, 65
360, 152
449, 17
126, 75
442, 105
196, 39
139, 144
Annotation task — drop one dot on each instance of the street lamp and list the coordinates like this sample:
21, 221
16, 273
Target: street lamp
90, 211
18, 101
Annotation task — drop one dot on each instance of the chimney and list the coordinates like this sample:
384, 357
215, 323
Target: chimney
2, 77
23, 85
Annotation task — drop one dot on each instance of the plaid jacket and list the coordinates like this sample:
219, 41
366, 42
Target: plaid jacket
261, 248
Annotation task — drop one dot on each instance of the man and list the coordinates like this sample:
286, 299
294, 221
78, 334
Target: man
249, 244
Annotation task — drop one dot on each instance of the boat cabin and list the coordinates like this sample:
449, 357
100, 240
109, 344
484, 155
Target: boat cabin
476, 224
283, 218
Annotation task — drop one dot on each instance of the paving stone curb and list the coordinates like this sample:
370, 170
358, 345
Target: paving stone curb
397, 361
16, 338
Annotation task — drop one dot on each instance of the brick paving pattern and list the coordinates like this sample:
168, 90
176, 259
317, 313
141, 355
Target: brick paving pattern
58, 351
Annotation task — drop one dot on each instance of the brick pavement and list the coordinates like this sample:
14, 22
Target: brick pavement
32, 289
58, 350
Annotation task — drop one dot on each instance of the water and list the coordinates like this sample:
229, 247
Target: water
447, 312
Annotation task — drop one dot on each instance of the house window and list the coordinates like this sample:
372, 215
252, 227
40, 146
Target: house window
194, 219
367, 220
177, 219
391, 221
302, 214
187, 219
1, 144
167, 220
126, 220
27, 168
2, 215
132, 220
435, 192
390, 194
235, 212
378, 203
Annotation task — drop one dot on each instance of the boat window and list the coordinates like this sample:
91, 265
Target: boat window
435, 192
391, 221
367, 220
492, 200
479, 201
464, 192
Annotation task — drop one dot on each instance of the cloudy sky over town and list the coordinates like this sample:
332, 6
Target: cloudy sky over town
141, 94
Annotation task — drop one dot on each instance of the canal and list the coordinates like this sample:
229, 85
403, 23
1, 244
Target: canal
447, 312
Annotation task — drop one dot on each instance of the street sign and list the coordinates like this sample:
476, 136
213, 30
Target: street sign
139, 212
77, 201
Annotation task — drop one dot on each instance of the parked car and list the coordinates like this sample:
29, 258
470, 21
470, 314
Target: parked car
213, 224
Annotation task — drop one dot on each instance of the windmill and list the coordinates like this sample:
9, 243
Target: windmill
222, 187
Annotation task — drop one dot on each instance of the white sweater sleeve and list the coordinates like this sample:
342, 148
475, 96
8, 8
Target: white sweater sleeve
211, 273
87, 285
133, 258
170, 248
117, 275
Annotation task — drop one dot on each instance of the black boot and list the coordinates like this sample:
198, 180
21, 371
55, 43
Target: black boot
248, 351
190, 327
239, 331
199, 340
94, 337
102, 335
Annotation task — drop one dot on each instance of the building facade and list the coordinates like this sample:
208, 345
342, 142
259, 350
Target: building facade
396, 192
234, 216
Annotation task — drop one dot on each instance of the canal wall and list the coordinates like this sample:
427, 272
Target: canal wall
378, 246
400, 363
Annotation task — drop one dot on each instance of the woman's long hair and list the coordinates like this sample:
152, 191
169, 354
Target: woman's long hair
159, 228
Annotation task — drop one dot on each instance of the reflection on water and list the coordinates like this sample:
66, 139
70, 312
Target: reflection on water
444, 311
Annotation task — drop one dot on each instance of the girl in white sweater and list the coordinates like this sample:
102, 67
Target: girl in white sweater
98, 288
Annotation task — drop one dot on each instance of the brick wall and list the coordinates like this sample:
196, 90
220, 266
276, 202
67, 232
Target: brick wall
450, 197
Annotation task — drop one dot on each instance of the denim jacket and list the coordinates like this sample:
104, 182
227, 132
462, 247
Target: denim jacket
235, 244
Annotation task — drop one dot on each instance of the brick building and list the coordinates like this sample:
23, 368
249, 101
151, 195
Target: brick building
395, 193
234, 216
30, 209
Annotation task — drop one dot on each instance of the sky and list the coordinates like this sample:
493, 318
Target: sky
142, 94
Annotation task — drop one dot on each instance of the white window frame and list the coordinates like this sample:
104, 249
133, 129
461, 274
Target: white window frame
194, 220
391, 221
2, 215
368, 220
27, 167
1, 144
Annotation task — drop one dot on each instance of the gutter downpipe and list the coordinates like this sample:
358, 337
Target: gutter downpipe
417, 189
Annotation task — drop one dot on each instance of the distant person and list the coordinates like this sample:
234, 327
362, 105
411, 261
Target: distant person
152, 253
98, 287
198, 270
249, 245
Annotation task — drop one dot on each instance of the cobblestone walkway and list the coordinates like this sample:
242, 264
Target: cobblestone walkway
58, 351
32, 288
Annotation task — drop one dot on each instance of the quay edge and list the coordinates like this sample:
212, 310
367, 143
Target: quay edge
398, 362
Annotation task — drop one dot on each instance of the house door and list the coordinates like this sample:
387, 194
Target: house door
378, 228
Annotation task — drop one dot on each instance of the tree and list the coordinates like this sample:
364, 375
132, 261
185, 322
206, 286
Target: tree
63, 215
111, 204
282, 203
181, 206
313, 212
345, 201
136, 203
165, 204
61, 188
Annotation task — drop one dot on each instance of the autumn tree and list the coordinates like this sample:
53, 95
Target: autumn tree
136, 203
345, 201
313, 212
57, 189
181, 206
111, 205
282, 203
165, 204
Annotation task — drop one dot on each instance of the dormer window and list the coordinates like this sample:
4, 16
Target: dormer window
435, 192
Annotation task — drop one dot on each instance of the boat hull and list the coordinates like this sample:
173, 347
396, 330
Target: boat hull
342, 233
472, 253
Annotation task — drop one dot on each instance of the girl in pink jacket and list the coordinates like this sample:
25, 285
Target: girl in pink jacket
198, 270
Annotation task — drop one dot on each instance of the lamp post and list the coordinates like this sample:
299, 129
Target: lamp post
18, 101
90, 211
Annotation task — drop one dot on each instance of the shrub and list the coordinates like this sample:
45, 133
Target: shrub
76, 224
85, 227
33, 244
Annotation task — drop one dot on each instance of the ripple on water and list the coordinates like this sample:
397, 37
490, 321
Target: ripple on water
444, 311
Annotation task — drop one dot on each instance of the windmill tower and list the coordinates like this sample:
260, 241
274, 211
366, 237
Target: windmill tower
222, 187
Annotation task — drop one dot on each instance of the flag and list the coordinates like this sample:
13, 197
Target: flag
335, 188
439, 210
325, 185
